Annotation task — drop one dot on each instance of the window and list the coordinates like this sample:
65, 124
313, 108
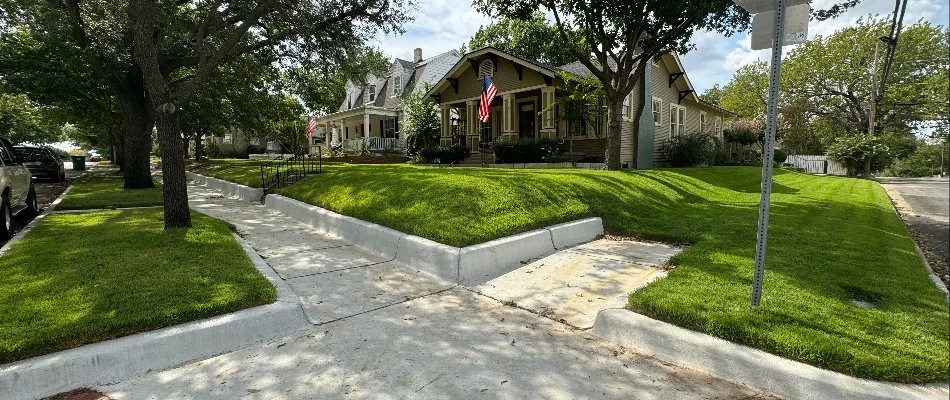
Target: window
397, 85
702, 122
228, 139
677, 119
657, 111
626, 108
717, 127
487, 67
389, 128
372, 93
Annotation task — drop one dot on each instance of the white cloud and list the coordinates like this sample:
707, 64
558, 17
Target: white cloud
439, 26
708, 65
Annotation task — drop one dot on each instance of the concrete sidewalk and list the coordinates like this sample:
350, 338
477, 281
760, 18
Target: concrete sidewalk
333, 278
387, 331
451, 345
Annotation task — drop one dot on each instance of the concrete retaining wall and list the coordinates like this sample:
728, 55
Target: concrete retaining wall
241, 192
118, 359
751, 367
573, 233
482, 262
467, 266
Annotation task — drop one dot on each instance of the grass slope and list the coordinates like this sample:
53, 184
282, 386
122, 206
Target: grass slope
831, 240
104, 189
86, 277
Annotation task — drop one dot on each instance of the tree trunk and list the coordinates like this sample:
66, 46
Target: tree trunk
639, 75
612, 155
175, 188
198, 146
137, 125
867, 167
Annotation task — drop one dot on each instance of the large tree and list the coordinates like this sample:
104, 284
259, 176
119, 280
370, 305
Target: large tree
534, 38
76, 55
830, 79
179, 49
23, 122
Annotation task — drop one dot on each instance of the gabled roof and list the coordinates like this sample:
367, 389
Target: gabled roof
462, 64
678, 64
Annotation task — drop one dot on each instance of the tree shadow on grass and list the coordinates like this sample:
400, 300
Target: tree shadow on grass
119, 275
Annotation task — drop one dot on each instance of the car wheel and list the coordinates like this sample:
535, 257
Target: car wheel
32, 204
6, 225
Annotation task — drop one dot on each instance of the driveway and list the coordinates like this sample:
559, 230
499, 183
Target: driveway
384, 330
924, 204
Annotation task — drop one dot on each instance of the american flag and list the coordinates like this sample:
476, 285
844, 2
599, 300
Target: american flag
311, 125
488, 95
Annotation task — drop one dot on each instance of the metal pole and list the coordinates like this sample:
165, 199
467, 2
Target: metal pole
769, 153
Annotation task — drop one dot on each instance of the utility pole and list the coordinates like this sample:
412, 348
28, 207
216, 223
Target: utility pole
871, 114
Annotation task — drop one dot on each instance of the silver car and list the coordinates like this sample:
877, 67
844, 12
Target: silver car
17, 193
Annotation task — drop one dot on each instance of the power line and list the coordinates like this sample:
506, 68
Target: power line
896, 25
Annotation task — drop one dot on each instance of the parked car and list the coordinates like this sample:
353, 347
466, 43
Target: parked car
16, 189
42, 162
95, 158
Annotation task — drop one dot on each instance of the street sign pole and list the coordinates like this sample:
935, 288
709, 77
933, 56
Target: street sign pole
769, 151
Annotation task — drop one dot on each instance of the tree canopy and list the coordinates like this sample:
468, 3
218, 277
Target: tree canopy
533, 38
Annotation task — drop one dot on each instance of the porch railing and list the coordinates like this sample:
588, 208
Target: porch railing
374, 144
281, 173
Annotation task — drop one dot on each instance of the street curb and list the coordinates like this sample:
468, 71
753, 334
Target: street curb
114, 360
896, 198
470, 265
744, 365
234, 190
29, 226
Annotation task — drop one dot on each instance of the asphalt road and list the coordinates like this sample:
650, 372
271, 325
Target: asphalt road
924, 204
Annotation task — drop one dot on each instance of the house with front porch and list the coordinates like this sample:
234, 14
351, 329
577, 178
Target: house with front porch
370, 114
530, 104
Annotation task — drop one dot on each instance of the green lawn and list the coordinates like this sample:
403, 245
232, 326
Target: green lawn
104, 190
243, 172
831, 240
79, 278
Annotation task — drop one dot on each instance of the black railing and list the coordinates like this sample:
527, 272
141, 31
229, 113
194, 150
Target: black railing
281, 173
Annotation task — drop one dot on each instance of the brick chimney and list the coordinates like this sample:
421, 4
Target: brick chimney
417, 55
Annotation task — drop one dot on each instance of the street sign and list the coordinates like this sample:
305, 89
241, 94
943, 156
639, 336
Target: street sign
796, 27
757, 6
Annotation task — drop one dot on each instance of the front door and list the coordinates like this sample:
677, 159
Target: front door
526, 117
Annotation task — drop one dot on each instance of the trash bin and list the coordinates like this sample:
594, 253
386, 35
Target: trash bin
79, 163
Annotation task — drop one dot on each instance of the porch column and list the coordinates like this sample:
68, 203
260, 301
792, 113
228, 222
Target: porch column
446, 121
472, 125
509, 131
365, 126
547, 112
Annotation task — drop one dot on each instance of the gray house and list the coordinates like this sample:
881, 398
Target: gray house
371, 113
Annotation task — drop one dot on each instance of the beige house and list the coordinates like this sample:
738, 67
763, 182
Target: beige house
529, 104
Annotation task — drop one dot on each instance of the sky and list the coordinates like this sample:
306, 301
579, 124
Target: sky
443, 25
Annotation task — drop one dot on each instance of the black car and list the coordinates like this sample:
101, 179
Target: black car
42, 162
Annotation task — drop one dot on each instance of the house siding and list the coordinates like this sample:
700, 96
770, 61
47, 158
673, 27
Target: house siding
505, 79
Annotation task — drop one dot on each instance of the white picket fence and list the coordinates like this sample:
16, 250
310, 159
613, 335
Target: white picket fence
817, 165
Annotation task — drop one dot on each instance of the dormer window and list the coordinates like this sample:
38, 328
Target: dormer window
487, 67
397, 85
372, 93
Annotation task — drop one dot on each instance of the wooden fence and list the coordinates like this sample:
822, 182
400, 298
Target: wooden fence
817, 165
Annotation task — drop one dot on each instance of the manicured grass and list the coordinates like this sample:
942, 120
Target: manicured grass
104, 190
831, 240
79, 278
242, 172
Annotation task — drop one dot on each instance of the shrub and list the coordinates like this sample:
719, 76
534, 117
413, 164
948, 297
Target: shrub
853, 151
528, 151
442, 155
690, 150
779, 156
